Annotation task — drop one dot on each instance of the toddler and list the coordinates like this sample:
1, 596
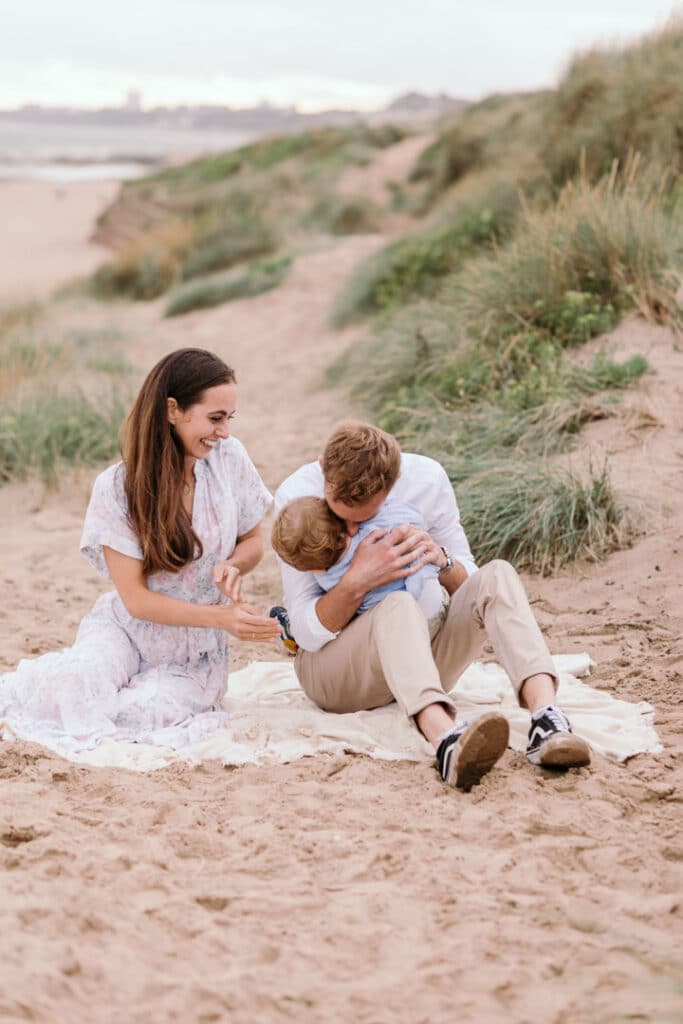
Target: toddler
310, 537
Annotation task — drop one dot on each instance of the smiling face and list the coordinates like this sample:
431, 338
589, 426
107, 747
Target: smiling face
202, 425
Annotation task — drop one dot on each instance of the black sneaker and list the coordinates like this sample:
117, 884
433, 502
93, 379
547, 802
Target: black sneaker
552, 744
471, 750
280, 613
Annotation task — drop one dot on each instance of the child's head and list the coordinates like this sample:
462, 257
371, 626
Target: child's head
309, 536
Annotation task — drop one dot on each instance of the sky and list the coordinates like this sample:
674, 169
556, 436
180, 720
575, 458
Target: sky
309, 53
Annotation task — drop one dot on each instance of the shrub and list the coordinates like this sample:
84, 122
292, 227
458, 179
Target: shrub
452, 155
414, 264
540, 521
147, 267
264, 154
346, 215
202, 294
15, 315
568, 272
498, 136
227, 244
612, 102
47, 428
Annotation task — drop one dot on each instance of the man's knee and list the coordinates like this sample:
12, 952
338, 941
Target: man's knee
500, 577
499, 569
397, 604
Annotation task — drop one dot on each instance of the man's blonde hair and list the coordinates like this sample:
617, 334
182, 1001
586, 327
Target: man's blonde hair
360, 461
308, 535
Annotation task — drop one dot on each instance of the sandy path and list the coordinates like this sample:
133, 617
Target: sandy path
346, 890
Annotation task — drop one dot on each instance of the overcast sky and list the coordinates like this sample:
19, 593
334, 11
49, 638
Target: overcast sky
312, 53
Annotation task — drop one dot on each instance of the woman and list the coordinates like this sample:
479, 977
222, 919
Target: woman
175, 526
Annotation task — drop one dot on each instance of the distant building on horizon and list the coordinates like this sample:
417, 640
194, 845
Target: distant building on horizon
133, 101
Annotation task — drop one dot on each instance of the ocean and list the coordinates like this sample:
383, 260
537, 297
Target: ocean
63, 151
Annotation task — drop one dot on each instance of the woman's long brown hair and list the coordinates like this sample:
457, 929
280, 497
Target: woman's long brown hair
154, 458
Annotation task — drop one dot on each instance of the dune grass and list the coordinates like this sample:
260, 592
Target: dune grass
216, 212
46, 422
48, 428
616, 101
228, 244
497, 329
480, 378
318, 147
415, 264
146, 267
261, 276
344, 215
611, 103
613, 244
478, 369
541, 520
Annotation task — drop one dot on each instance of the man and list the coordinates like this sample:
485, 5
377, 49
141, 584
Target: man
351, 663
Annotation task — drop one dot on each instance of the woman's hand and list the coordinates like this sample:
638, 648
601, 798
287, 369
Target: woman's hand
246, 623
228, 579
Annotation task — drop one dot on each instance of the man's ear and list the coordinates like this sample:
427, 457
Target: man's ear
172, 410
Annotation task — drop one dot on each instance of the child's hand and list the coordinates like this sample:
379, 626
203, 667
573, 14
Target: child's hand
228, 579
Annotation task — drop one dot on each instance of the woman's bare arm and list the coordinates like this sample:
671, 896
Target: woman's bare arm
142, 603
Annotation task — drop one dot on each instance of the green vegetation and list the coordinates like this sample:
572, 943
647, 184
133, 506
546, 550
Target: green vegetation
539, 520
320, 147
260, 277
45, 422
146, 267
414, 264
214, 213
608, 246
41, 431
475, 353
345, 215
612, 103
226, 245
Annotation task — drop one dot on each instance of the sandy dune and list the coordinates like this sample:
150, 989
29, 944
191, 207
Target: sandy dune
342, 889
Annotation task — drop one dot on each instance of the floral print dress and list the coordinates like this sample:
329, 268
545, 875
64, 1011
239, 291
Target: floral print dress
125, 678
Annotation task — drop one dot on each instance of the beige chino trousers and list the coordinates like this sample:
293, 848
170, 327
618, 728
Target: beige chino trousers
386, 654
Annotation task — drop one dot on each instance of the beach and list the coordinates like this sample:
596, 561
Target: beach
337, 888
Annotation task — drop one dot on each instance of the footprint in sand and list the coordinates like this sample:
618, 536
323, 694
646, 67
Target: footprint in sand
16, 835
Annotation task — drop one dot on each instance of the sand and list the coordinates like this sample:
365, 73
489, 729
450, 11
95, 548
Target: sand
340, 889
35, 260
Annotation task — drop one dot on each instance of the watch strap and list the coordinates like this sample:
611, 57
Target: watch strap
449, 561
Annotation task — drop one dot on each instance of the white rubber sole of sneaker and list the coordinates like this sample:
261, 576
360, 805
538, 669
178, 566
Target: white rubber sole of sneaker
482, 744
564, 750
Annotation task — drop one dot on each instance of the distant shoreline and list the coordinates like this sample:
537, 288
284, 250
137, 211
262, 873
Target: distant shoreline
71, 171
63, 151
61, 144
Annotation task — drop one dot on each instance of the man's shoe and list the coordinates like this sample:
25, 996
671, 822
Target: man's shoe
552, 744
280, 613
471, 750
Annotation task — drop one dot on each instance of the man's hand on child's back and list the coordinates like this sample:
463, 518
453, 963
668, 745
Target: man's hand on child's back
382, 557
424, 549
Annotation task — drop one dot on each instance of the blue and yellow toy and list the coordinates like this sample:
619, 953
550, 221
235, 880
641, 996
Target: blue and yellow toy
280, 613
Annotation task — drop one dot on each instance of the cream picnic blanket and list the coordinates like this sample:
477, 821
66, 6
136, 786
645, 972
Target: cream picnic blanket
272, 722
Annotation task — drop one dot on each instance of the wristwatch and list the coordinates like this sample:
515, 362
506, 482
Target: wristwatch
449, 561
